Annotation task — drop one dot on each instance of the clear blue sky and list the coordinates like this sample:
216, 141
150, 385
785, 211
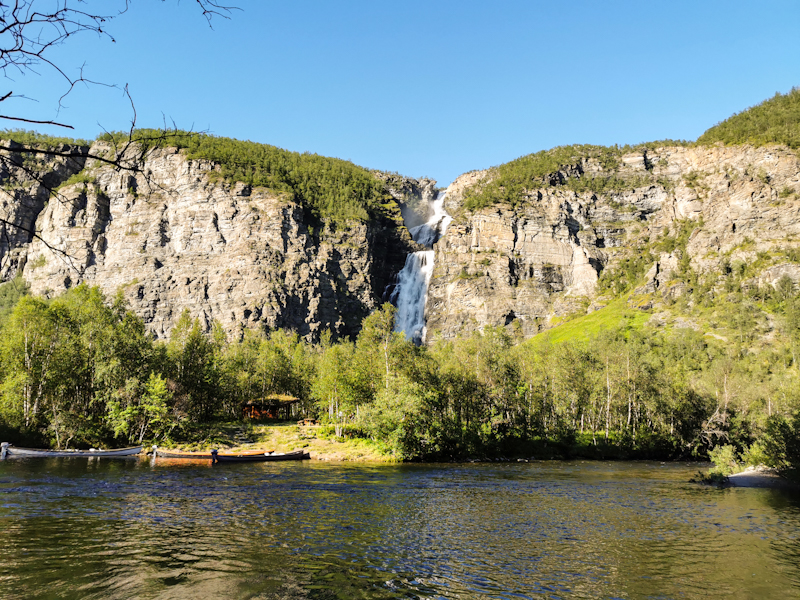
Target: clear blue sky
427, 88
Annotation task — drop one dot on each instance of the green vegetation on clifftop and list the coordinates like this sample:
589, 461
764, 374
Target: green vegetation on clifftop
565, 167
330, 188
774, 121
34, 138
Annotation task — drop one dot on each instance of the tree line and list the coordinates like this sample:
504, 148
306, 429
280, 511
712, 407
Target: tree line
562, 167
79, 370
774, 121
329, 189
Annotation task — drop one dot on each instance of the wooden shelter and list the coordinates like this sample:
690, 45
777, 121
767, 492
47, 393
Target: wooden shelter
279, 408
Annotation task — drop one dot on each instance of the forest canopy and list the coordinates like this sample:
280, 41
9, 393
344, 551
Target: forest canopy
78, 371
328, 188
774, 121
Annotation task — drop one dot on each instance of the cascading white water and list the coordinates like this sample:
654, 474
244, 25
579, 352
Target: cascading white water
411, 292
429, 233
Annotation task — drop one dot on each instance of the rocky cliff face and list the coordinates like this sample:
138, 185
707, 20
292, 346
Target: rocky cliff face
172, 238
27, 181
413, 195
527, 265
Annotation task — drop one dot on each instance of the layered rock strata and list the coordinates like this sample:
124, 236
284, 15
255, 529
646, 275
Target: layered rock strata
27, 184
525, 266
172, 238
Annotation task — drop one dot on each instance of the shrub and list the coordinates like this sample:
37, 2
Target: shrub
80, 177
781, 442
724, 459
756, 455
34, 138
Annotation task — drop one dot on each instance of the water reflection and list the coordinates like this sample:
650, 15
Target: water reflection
122, 529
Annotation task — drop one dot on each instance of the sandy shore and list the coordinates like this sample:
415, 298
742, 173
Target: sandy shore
759, 477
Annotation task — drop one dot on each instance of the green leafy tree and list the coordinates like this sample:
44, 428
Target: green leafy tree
336, 385
194, 368
376, 345
10, 294
141, 410
400, 418
774, 121
781, 442
28, 345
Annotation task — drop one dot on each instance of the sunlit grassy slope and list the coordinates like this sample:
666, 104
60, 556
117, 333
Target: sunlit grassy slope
617, 314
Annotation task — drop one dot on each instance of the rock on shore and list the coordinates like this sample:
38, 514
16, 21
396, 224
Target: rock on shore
761, 477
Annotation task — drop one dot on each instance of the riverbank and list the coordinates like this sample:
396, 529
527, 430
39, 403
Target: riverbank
317, 440
322, 443
762, 477
184, 530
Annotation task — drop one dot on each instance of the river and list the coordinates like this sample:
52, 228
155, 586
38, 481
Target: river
91, 528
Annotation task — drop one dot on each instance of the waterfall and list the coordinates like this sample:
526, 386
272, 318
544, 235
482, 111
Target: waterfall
411, 292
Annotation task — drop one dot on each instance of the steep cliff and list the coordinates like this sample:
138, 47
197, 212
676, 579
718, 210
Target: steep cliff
529, 263
171, 236
314, 244
27, 184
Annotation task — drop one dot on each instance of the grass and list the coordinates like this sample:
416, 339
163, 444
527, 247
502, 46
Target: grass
582, 329
39, 262
318, 440
281, 437
81, 177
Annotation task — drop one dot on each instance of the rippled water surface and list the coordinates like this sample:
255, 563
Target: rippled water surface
80, 528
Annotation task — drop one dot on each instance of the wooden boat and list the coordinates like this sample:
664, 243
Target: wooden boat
245, 456
271, 456
10, 450
180, 454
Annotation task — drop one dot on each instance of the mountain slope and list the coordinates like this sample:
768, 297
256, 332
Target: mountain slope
179, 232
774, 121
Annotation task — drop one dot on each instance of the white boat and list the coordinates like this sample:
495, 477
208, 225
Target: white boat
9, 450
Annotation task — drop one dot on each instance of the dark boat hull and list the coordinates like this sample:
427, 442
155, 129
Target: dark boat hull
296, 455
235, 457
35, 452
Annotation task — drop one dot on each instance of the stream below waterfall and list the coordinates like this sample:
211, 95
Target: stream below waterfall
411, 292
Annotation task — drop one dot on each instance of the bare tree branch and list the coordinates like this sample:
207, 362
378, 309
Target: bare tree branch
30, 33
212, 9
36, 122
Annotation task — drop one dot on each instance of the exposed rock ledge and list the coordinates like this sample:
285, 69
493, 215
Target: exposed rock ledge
526, 266
170, 238
760, 477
